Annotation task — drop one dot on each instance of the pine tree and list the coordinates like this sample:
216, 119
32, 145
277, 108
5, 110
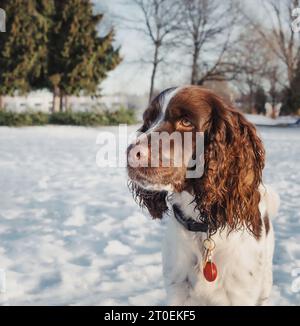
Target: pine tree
38, 77
78, 58
20, 46
54, 44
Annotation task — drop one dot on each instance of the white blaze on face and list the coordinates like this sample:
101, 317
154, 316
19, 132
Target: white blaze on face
141, 145
164, 101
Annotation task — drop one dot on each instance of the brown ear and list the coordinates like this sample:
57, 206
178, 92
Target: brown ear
228, 194
154, 201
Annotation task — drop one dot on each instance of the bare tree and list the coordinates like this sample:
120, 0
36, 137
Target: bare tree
275, 85
160, 20
256, 65
277, 33
206, 31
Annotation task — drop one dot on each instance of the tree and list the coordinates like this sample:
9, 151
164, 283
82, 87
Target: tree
160, 20
250, 59
38, 77
278, 35
55, 45
295, 86
21, 46
257, 68
206, 27
79, 58
273, 76
292, 94
260, 100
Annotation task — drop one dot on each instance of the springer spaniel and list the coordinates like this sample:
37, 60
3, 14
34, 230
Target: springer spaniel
219, 241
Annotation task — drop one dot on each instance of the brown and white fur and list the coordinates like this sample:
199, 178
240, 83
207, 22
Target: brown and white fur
230, 195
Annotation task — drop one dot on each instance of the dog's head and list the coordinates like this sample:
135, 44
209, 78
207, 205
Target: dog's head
227, 192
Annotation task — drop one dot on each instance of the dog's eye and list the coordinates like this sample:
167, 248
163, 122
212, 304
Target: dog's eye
186, 123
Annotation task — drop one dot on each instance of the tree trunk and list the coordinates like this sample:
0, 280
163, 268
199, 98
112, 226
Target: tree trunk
67, 103
194, 77
200, 82
1, 103
55, 104
154, 69
252, 101
152, 82
291, 74
61, 102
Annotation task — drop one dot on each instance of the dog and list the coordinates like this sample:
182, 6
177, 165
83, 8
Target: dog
219, 241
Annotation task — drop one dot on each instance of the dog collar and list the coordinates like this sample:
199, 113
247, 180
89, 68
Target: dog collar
210, 271
188, 223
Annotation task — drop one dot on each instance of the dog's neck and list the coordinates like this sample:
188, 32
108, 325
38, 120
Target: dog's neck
185, 201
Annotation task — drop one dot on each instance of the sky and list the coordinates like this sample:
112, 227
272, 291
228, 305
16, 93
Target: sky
133, 76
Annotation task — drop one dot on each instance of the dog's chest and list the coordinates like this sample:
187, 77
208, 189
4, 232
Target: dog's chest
239, 260
238, 280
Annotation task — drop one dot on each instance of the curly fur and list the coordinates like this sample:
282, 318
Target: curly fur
227, 194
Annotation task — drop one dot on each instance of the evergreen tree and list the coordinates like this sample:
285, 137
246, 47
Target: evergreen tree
54, 44
20, 46
38, 77
78, 58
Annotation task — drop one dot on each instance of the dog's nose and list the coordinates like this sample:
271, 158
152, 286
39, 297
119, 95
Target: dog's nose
137, 156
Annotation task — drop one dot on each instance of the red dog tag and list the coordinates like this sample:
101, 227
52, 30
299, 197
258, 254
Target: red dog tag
210, 271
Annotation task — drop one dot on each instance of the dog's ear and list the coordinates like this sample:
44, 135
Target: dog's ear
228, 193
154, 201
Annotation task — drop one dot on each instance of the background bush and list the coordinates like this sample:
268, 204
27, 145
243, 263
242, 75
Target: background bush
105, 118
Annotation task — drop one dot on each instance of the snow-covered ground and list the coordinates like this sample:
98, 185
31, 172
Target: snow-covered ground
266, 121
71, 234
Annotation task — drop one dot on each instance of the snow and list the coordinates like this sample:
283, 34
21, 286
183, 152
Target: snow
266, 121
77, 218
71, 234
116, 248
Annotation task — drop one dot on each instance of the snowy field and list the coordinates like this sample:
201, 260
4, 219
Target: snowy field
70, 233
